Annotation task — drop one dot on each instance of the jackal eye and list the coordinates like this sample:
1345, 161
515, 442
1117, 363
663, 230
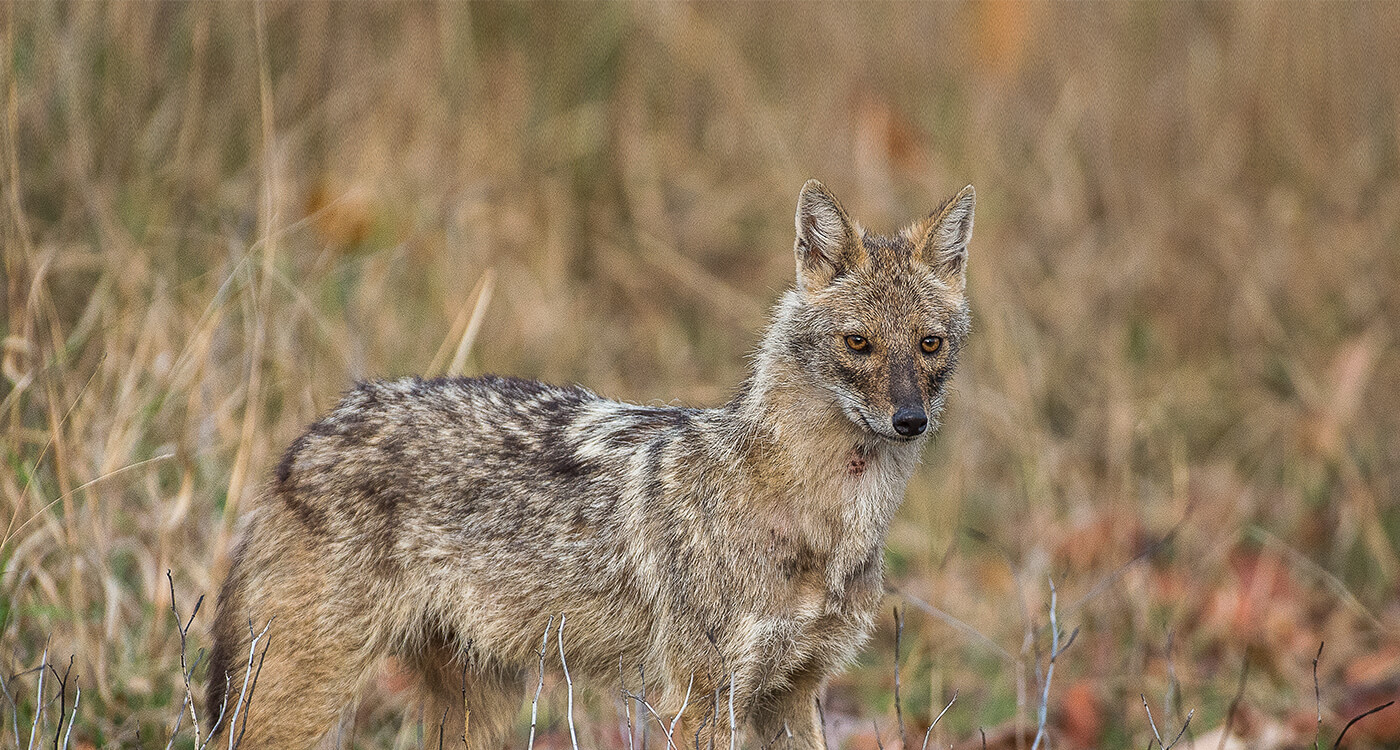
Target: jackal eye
931, 344
857, 343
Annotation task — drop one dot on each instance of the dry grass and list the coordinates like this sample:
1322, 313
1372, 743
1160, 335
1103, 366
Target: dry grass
1186, 285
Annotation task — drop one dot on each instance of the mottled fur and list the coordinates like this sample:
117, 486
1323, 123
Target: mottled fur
444, 522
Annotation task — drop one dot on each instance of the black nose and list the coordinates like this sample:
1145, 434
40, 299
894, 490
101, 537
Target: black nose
910, 421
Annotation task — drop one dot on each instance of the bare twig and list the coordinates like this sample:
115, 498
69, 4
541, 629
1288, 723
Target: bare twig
646, 726
670, 743
1055, 650
1172, 702
73, 717
535, 704
185, 668
924, 746
62, 699
1184, 726
733, 738
626, 706
467, 710
821, 716
39, 700
898, 711
1235, 702
248, 699
243, 695
1155, 733
1383, 707
684, 702
14, 709
223, 711
1317, 696
573, 737
878, 742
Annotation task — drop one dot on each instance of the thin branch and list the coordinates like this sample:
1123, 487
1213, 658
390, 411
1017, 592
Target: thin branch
626, 706
821, 716
223, 711
646, 726
62, 698
684, 702
248, 702
535, 704
733, 738
185, 668
466, 710
1235, 702
1184, 726
936, 718
1317, 696
73, 717
1055, 650
1155, 733
14, 709
573, 737
669, 742
39, 699
239, 705
898, 711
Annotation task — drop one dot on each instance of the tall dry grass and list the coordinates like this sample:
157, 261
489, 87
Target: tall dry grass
1185, 279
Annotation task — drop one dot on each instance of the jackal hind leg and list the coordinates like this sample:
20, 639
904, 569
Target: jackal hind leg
481, 699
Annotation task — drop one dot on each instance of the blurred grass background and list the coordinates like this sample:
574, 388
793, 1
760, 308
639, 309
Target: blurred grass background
1185, 281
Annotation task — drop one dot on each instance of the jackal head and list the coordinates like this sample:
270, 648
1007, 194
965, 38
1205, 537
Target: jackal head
877, 321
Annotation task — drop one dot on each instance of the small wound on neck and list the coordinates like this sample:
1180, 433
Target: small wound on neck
855, 462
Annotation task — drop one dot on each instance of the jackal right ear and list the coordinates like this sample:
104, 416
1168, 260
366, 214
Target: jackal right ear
827, 241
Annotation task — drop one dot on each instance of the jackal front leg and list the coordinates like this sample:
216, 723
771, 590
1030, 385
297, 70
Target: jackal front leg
788, 719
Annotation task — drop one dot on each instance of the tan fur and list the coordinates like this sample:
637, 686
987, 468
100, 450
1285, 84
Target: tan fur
445, 522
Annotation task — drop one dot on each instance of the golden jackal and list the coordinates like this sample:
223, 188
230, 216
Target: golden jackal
733, 553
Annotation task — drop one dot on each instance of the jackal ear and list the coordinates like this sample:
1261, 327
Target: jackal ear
827, 242
942, 238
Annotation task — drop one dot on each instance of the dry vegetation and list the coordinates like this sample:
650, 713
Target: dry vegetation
1181, 403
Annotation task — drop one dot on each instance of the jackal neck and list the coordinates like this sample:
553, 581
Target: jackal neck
788, 418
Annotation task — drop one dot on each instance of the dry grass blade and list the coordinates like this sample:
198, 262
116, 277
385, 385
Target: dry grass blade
480, 301
109, 475
1377, 709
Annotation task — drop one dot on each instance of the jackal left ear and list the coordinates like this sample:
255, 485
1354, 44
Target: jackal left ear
827, 243
942, 238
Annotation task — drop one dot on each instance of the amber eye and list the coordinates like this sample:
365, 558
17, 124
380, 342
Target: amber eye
931, 344
857, 343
